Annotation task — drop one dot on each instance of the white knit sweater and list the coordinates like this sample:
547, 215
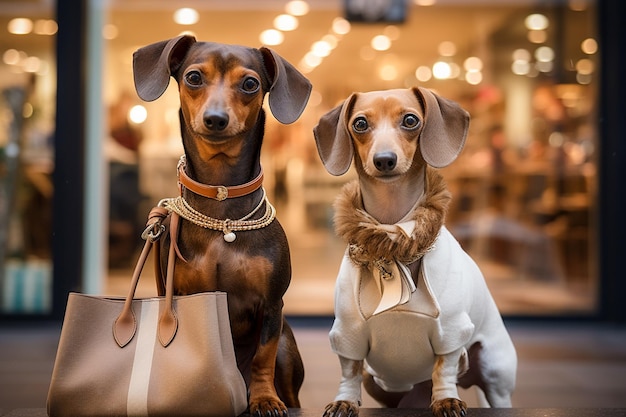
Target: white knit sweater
451, 308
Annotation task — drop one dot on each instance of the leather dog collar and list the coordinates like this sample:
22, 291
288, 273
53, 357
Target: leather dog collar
217, 192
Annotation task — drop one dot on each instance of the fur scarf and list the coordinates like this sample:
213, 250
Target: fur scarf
371, 241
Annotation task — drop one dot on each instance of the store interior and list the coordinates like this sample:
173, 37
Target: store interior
524, 188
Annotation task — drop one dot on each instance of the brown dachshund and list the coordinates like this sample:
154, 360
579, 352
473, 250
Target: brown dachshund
413, 315
228, 238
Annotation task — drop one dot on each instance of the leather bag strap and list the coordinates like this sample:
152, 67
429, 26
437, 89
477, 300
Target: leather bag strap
125, 325
168, 323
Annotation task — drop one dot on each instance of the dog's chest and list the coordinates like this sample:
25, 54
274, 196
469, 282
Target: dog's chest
216, 265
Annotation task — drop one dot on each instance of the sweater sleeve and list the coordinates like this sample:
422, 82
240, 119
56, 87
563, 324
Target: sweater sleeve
452, 332
349, 336
451, 276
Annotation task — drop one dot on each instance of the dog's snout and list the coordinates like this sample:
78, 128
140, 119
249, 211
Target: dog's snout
385, 161
216, 121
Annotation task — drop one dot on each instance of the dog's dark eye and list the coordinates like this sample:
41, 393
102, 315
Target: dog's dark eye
360, 124
250, 85
193, 78
410, 121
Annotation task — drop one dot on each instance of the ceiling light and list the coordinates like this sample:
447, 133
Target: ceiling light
11, 57
556, 139
424, 2
381, 43
304, 68
297, 8
544, 54
585, 66
423, 73
341, 26
388, 72
321, 49
138, 114
589, 46
474, 77
577, 5
520, 67
537, 36
45, 27
455, 70
32, 64
521, 55
536, 21
583, 79
447, 48
285, 22
473, 64
186, 16
331, 40
20, 26
271, 37
312, 60
441, 70
544, 66
110, 31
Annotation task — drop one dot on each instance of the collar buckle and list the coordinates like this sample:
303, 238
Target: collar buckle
222, 193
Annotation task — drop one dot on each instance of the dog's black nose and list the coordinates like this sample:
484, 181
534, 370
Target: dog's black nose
215, 120
385, 161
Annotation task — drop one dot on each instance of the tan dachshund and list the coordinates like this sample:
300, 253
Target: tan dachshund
228, 237
413, 315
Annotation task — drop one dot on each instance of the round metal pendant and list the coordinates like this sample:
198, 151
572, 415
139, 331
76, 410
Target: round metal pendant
230, 237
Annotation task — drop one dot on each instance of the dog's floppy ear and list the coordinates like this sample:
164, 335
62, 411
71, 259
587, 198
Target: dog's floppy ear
153, 65
290, 90
334, 143
445, 128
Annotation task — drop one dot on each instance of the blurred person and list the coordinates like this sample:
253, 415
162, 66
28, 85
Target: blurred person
122, 150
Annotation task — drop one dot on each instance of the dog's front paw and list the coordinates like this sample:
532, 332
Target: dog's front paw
267, 407
341, 409
449, 407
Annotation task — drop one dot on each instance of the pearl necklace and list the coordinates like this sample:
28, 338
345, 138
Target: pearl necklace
181, 207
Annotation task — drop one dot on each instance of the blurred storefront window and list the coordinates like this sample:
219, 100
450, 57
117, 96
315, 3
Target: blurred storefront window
524, 188
27, 108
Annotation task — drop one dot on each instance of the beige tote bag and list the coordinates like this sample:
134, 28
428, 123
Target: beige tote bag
161, 356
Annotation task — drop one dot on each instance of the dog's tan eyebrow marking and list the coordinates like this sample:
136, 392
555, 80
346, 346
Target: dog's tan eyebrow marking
221, 63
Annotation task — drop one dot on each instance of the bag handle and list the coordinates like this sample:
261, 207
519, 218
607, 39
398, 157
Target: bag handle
168, 323
125, 325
